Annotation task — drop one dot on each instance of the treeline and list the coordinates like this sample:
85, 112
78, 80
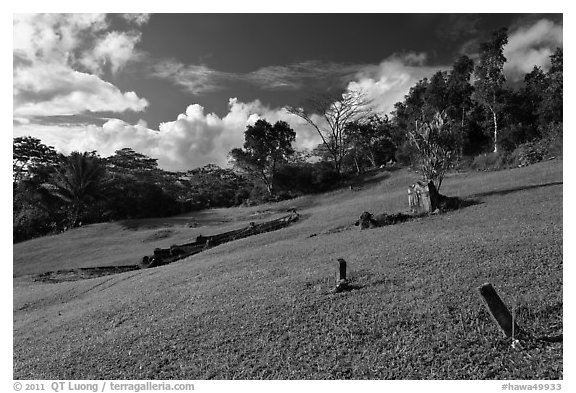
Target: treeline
467, 116
493, 123
54, 192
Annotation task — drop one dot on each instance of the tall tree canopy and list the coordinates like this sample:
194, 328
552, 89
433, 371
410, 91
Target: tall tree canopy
551, 111
265, 146
334, 115
30, 153
370, 141
489, 74
77, 183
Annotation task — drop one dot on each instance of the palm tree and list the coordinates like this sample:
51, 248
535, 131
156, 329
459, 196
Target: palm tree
77, 183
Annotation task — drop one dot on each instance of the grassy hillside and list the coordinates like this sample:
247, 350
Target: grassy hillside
261, 307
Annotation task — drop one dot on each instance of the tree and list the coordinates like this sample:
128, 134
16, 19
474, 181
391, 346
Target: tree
137, 187
77, 183
329, 115
489, 73
551, 110
265, 146
28, 154
407, 112
459, 91
212, 186
370, 141
436, 95
434, 144
128, 162
531, 96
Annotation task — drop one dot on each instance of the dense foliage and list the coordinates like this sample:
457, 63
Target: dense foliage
266, 147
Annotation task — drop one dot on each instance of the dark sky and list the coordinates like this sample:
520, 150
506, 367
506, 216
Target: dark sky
242, 43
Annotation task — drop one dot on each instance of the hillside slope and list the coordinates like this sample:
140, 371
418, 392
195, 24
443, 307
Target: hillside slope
261, 307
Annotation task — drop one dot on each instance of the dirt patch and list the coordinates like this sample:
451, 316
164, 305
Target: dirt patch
83, 273
161, 234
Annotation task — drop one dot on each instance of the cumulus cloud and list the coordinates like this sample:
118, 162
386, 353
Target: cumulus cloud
531, 45
50, 63
194, 139
388, 82
54, 38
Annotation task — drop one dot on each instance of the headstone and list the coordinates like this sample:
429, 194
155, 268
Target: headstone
499, 311
423, 197
341, 269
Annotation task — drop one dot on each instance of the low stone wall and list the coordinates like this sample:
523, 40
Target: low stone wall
163, 256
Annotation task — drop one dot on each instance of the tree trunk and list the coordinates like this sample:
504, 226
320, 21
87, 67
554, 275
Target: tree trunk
338, 166
357, 164
268, 183
372, 159
74, 217
462, 134
495, 132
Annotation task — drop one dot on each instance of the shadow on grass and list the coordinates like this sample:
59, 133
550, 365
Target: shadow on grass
515, 189
463, 203
346, 287
367, 179
200, 218
83, 273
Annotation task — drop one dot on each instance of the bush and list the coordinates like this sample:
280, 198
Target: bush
494, 161
515, 135
554, 148
30, 221
463, 163
525, 154
551, 142
137, 199
528, 154
292, 180
404, 154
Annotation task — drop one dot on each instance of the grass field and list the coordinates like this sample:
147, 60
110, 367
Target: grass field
262, 307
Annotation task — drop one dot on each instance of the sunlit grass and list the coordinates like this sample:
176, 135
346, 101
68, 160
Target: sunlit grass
263, 307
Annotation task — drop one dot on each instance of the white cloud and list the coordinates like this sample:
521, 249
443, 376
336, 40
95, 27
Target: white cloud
199, 79
49, 56
115, 49
192, 140
137, 19
194, 78
531, 45
53, 37
388, 82
54, 89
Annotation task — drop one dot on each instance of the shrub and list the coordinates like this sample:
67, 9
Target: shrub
30, 221
554, 148
527, 154
515, 135
494, 161
434, 144
463, 163
551, 142
404, 154
303, 178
